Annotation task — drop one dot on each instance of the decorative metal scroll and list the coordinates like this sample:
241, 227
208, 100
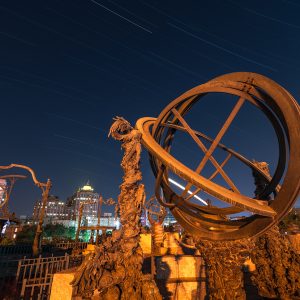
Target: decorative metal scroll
45, 187
7, 183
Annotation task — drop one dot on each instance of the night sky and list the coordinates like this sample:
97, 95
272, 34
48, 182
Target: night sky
68, 67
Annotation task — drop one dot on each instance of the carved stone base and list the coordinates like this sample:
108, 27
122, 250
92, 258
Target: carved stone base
61, 287
277, 272
224, 262
181, 277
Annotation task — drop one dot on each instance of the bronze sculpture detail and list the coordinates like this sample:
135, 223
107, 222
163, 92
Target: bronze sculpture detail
115, 269
156, 215
223, 261
277, 273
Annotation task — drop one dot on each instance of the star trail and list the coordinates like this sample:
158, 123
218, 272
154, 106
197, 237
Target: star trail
68, 67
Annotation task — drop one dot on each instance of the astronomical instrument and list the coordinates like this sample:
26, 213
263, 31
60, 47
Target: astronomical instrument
279, 191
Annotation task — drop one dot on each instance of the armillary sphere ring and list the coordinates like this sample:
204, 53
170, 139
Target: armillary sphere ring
155, 210
211, 223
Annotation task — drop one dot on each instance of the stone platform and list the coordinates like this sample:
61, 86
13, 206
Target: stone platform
178, 277
61, 288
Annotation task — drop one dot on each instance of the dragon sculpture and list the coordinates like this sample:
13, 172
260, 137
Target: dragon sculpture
114, 270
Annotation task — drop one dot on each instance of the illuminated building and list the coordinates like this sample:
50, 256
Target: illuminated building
54, 210
66, 214
12, 231
169, 219
144, 218
107, 220
90, 211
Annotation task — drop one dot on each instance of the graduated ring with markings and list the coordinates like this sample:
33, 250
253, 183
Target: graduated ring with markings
214, 222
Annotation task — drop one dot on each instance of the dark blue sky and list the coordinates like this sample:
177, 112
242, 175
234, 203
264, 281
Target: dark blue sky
68, 67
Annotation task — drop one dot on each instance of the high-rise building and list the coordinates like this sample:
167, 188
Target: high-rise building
90, 210
55, 210
70, 207
67, 214
144, 218
169, 219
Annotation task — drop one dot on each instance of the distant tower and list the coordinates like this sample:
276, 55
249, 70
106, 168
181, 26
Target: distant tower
90, 210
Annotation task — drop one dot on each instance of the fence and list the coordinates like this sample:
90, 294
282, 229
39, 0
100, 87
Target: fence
8, 267
73, 245
27, 248
35, 275
20, 249
15, 249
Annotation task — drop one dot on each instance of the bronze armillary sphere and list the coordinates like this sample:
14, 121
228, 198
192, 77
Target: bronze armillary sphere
156, 213
272, 203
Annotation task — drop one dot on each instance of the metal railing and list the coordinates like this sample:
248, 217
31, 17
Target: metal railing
8, 267
35, 275
20, 249
72, 245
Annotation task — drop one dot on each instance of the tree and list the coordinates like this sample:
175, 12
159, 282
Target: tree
70, 233
26, 235
58, 231
52, 231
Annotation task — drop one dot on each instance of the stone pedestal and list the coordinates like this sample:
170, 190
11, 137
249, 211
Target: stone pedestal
145, 243
181, 277
170, 246
61, 287
89, 249
224, 262
178, 277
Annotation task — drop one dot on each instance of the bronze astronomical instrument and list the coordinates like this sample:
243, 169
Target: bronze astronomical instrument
155, 212
280, 191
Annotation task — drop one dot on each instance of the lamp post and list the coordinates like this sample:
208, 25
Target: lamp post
79, 221
99, 218
80, 212
45, 187
36, 247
